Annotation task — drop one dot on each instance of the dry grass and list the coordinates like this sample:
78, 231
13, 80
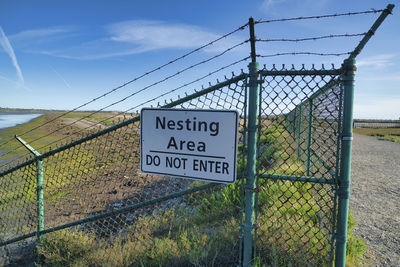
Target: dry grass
389, 134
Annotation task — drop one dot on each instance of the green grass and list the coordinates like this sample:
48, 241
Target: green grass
171, 238
389, 134
203, 234
17, 150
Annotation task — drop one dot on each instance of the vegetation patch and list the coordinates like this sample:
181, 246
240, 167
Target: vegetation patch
388, 134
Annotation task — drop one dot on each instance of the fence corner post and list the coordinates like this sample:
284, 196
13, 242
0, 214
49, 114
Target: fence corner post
251, 152
345, 164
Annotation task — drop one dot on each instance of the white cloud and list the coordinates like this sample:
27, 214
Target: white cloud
155, 34
10, 51
378, 61
39, 33
377, 108
127, 38
380, 77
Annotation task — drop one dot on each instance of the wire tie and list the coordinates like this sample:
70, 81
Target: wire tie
347, 138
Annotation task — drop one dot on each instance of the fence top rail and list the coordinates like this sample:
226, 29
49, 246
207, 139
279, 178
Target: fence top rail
301, 72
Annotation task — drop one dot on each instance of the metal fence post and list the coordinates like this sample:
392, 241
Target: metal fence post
251, 153
294, 122
39, 187
299, 133
310, 121
345, 164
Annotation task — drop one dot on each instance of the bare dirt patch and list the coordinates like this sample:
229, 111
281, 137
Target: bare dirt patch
84, 123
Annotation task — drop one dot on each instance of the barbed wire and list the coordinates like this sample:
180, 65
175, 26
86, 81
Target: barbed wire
304, 53
320, 16
133, 80
122, 112
202, 62
312, 38
127, 97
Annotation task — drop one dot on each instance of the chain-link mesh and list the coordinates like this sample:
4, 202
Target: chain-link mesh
134, 214
18, 215
300, 116
100, 210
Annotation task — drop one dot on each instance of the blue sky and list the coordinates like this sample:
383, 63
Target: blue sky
60, 54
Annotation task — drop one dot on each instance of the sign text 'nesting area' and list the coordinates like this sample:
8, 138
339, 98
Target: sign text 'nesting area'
196, 144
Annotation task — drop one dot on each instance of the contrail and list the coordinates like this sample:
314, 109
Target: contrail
61, 77
9, 50
16, 83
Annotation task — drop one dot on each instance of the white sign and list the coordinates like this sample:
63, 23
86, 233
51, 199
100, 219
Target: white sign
196, 144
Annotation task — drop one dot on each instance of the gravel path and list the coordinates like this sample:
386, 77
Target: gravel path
375, 198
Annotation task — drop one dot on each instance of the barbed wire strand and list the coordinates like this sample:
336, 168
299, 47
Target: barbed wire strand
202, 47
312, 38
131, 95
122, 112
134, 80
320, 16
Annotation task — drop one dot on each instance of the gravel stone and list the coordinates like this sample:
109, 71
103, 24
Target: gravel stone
375, 198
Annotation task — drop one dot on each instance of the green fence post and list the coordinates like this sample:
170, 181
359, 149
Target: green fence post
251, 152
310, 121
299, 133
39, 187
294, 122
345, 164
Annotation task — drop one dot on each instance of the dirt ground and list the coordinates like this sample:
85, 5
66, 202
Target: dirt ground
84, 123
375, 198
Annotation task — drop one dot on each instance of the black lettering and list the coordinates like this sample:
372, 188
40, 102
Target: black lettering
218, 167
168, 162
214, 128
184, 163
172, 143
203, 165
204, 123
182, 143
225, 166
159, 122
195, 165
211, 164
177, 163
201, 147
194, 124
155, 160
190, 146
188, 124
180, 125
149, 160
171, 124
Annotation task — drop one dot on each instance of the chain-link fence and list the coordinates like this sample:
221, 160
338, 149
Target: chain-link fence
300, 116
376, 124
86, 203
94, 193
